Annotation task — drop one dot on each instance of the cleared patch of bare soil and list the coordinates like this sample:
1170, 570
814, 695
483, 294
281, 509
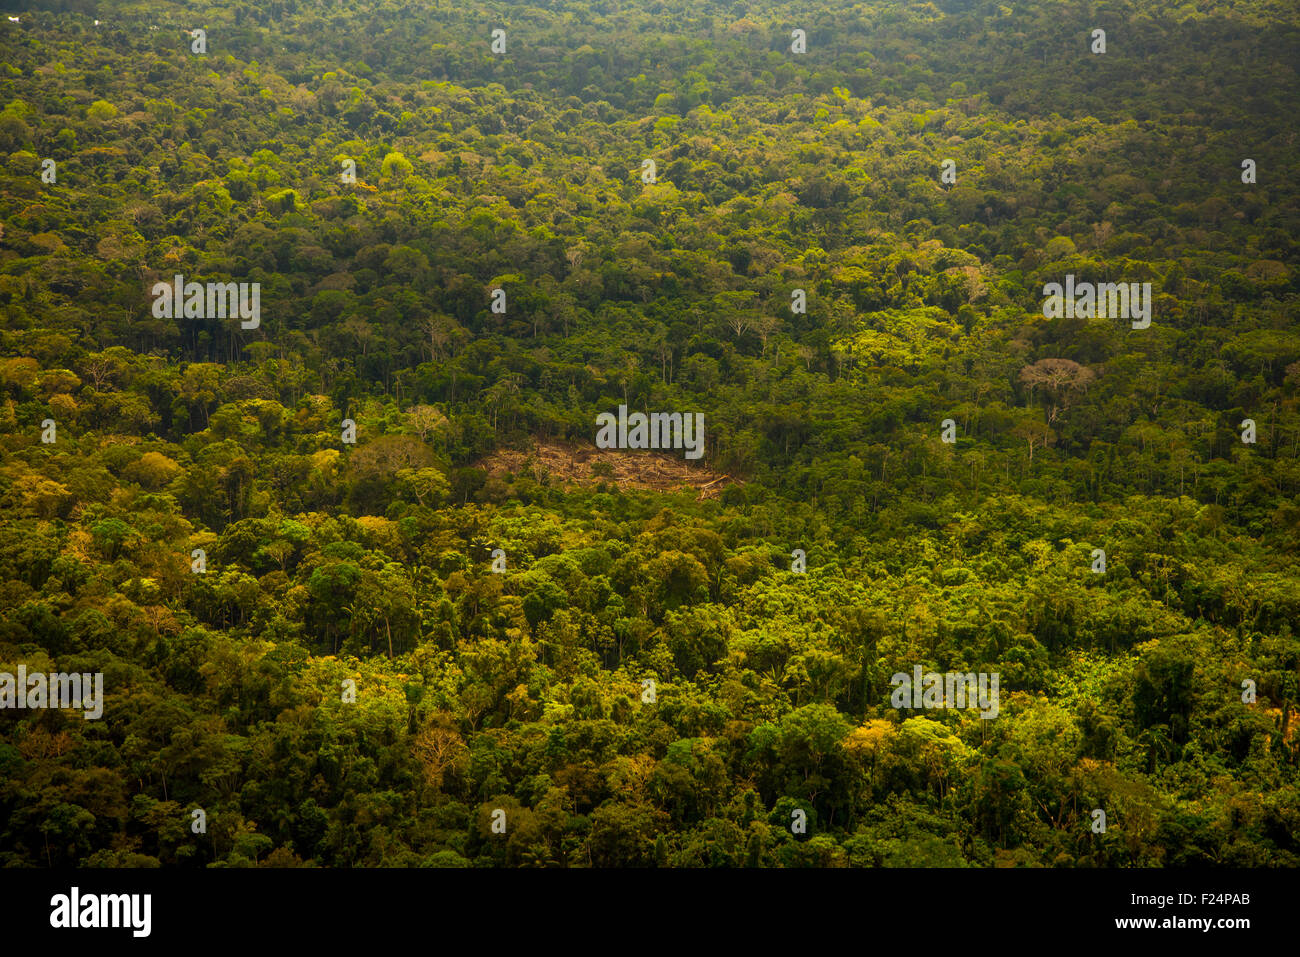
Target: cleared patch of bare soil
579, 465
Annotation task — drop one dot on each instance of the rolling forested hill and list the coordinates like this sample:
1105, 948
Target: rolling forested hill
364, 590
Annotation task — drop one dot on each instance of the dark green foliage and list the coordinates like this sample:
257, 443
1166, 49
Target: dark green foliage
647, 683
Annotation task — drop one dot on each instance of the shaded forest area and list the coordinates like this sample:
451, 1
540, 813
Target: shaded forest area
129, 443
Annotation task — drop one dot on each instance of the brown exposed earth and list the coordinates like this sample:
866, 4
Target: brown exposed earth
576, 465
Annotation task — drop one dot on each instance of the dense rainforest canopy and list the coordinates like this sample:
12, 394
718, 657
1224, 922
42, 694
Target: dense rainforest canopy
839, 260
